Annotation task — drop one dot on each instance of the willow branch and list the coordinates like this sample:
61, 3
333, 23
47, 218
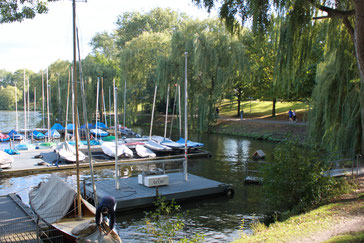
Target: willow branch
349, 27
335, 13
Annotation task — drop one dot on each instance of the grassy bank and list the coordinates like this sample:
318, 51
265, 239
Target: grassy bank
343, 218
261, 130
263, 109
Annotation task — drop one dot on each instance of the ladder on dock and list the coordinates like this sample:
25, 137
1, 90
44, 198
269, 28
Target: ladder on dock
252, 175
18, 223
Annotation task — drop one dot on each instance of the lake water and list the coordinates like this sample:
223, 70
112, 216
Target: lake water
218, 219
8, 120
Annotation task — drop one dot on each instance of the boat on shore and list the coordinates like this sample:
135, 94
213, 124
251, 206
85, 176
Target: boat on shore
109, 149
6, 160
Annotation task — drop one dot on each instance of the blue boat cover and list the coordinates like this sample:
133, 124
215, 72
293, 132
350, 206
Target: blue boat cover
11, 151
37, 134
90, 126
57, 126
12, 132
190, 143
101, 125
54, 134
70, 126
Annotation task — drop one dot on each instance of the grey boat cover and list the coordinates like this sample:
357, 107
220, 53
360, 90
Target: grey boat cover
52, 200
5, 160
68, 152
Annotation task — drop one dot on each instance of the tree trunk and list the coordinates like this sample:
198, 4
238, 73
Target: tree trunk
359, 48
274, 107
239, 100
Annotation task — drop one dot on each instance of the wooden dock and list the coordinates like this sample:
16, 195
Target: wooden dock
16, 222
27, 163
133, 195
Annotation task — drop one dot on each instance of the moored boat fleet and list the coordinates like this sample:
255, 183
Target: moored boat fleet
130, 145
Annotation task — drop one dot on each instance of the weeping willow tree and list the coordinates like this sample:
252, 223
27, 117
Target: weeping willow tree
300, 14
335, 118
139, 60
209, 57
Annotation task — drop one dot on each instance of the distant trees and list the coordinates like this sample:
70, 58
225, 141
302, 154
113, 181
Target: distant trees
17, 11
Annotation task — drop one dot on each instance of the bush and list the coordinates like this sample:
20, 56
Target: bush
295, 179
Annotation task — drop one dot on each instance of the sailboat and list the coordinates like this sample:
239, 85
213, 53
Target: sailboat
109, 149
59, 204
54, 202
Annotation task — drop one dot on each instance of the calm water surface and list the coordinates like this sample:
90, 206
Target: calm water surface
218, 219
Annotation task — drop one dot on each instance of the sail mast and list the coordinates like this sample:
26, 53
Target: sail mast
86, 122
48, 119
42, 100
165, 123
35, 99
117, 171
79, 211
68, 97
16, 109
186, 132
25, 110
124, 104
152, 117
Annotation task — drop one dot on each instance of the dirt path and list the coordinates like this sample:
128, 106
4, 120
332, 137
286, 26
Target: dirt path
348, 220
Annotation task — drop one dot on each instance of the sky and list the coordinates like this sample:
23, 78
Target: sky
35, 44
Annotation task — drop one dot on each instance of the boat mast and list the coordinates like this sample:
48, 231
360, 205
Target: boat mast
179, 111
186, 132
48, 119
68, 97
86, 121
42, 100
97, 102
103, 99
110, 105
173, 112
35, 99
165, 122
151, 121
117, 172
25, 110
75, 113
59, 100
124, 104
28, 101
16, 109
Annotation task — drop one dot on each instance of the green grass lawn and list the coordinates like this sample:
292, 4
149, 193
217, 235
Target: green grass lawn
257, 108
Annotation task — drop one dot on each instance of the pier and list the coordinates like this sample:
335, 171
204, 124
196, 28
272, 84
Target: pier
18, 223
133, 195
28, 162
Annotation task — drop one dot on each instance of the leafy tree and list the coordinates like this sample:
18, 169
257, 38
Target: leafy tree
133, 24
139, 60
299, 15
104, 43
17, 11
5, 77
7, 97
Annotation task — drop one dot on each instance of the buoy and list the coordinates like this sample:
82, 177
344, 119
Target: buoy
126, 171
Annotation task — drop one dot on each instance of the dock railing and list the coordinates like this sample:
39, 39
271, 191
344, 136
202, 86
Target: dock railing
27, 228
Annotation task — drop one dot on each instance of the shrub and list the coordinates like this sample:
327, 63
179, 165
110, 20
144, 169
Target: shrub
295, 179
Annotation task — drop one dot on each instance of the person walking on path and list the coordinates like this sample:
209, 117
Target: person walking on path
241, 114
105, 211
290, 115
294, 116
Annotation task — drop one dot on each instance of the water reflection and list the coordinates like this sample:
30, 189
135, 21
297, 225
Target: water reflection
217, 218
8, 120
